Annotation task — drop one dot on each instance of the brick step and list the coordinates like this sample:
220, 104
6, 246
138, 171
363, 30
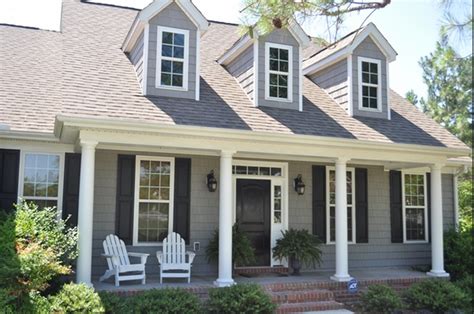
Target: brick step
282, 297
309, 306
293, 286
261, 270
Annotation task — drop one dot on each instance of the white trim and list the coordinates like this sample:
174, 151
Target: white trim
159, 57
350, 102
456, 201
425, 207
21, 176
328, 206
300, 79
370, 30
138, 159
275, 228
389, 110
269, 45
198, 65
146, 47
378, 85
256, 74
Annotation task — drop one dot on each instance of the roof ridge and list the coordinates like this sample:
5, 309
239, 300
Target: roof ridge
335, 42
223, 22
33, 28
109, 5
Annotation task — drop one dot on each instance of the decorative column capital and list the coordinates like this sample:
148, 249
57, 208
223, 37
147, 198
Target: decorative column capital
434, 167
88, 144
227, 153
342, 160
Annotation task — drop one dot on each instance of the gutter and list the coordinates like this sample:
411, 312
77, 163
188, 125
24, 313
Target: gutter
28, 135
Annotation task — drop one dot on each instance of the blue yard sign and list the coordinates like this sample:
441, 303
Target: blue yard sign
352, 285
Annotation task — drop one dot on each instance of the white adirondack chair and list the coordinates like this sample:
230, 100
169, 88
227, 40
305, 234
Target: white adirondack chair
175, 261
119, 262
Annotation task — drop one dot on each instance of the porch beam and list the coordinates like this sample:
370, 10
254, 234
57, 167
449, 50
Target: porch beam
342, 257
85, 213
225, 221
437, 251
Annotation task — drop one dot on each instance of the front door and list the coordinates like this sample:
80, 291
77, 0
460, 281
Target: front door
253, 216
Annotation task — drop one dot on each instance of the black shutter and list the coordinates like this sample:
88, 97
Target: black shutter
125, 197
396, 222
9, 170
319, 202
428, 200
362, 206
72, 174
182, 197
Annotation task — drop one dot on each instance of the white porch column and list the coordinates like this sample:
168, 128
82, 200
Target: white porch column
342, 264
86, 203
225, 221
437, 251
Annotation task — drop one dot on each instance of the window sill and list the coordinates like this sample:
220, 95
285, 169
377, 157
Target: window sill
415, 242
334, 243
287, 100
370, 109
178, 89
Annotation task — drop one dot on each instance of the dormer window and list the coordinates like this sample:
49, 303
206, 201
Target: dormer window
172, 58
370, 86
278, 74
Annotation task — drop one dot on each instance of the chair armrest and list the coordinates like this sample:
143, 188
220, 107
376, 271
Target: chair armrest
113, 257
191, 256
143, 256
159, 256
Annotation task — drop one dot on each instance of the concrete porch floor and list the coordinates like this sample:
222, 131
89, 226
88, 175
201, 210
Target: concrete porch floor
263, 279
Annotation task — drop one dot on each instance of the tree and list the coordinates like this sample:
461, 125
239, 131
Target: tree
449, 80
266, 15
412, 97
454, 23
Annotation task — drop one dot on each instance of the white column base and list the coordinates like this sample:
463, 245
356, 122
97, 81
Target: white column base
439, 274
341, 278
221, 283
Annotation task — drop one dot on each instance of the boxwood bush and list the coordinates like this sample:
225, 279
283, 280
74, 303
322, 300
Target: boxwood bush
458, 253
240, 298
380, 299
435, 295
76, 298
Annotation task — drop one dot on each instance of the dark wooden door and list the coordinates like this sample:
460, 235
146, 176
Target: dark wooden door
253, 216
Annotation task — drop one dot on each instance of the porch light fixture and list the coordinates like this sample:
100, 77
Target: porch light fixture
211, 182
299, 185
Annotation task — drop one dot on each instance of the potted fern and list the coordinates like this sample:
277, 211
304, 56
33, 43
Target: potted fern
299, 247
243, 254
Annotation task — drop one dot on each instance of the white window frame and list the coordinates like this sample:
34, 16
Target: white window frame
137, 197
269, 45
159, 57
361, 84
425, 188
21, 178
328, 206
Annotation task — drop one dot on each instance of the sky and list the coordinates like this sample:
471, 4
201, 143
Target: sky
411, 26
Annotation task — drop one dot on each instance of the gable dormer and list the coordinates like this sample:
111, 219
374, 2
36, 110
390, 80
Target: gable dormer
268, 67
354, 72
163, 46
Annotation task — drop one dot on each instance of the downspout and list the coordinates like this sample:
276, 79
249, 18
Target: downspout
457, 173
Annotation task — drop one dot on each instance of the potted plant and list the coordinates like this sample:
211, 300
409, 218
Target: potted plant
243, 253
299, 247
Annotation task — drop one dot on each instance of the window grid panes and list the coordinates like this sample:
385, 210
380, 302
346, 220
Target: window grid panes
370, 85
332, 205
278, 72
41, 179
277, 204
172, 59
154, 200
414, 200
257, 171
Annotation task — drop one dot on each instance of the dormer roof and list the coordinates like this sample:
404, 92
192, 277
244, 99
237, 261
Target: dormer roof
156, 7
346, 46
245, 41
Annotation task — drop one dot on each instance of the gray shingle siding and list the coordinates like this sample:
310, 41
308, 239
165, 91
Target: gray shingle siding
171, 16
368, 49
136, 57
205, 213
283, 37
333, 80
242, 69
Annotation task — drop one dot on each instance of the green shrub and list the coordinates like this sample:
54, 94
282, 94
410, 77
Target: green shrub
242, 251
438, 296
458, 252
380, 299
466, 284
161, 301
76, 298
113, 303
241, 298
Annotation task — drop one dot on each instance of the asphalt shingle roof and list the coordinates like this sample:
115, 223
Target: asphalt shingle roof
82, 71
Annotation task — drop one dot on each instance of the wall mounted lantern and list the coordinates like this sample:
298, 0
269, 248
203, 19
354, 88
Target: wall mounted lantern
299, 185
211, 182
